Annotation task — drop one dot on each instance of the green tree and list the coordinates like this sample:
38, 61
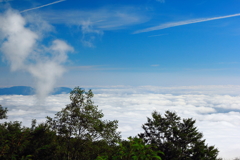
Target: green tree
133, 149
179, 140
17, 142
14, 139
3, 112
137, 150
43, 142
80, 122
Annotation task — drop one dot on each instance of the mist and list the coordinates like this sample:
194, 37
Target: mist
21, 42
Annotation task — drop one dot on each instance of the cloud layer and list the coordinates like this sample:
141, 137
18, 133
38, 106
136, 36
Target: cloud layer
22, 47
216, 109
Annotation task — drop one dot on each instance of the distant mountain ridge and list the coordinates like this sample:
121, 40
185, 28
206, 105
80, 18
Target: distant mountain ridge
26, 90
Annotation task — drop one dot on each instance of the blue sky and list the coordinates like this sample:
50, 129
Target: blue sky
115, 42
138, 56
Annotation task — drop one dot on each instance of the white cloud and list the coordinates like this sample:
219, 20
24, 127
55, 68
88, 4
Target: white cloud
180, 23
215, 108
22, 49
89, 33
93, 23
20, 40
105, 18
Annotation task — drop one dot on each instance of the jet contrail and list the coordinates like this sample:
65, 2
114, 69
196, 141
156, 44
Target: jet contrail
42, 6
174, 24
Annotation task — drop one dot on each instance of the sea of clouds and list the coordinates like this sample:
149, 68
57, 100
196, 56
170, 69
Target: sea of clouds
215, 108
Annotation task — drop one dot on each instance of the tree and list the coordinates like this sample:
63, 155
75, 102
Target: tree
3, 112
17, 142
178, 140
80, 122
14, 140
43, 142
134, 149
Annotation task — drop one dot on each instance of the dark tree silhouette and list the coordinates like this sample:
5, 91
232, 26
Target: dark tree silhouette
178, 140
3, 112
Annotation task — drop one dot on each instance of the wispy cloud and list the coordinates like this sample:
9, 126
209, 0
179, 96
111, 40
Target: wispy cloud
180, 23
93, 23
88, 33
42, 6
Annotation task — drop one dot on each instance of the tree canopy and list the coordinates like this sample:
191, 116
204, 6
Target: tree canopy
178, 139
81, 122
3, 112
82, 119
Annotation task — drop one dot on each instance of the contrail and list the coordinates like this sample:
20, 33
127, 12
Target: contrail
42, 6
180, 23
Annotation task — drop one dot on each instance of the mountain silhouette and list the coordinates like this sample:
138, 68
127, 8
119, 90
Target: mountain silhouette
26, 90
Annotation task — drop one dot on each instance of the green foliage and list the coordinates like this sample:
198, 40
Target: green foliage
137, 150
14, 140
3, 112
179, 140
43, 142
81, 123
23, 143
81, 119
134, 149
